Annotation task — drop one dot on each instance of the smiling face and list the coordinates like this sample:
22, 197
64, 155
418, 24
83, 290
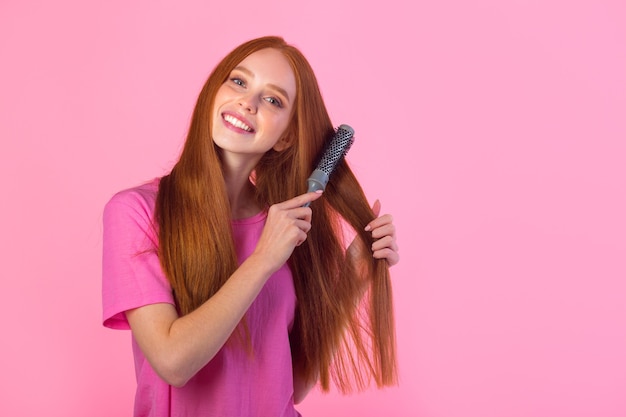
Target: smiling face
253, 107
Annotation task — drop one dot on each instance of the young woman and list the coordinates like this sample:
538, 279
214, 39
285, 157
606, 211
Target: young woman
240, 298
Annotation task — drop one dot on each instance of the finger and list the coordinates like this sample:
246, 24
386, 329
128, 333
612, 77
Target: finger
301, 213
389, 255
303, 225
301, 239
376, 208
301, 200
379, 221
288, 209
295, 233
386, 242
384, 230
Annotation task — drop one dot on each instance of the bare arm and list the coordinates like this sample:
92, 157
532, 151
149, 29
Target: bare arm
178, 347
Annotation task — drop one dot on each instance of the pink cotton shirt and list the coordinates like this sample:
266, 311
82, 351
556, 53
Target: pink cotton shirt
233, 383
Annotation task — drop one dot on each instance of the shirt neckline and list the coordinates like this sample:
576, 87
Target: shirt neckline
260, 216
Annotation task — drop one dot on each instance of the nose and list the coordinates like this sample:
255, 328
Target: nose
249, 103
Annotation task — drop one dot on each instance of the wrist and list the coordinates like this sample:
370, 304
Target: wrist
260, 265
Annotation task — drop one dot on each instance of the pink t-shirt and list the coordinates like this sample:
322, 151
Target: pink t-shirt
234, 383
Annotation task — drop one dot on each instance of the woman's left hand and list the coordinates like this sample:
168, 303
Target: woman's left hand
384, 233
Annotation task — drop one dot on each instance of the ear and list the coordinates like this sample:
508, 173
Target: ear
282, 144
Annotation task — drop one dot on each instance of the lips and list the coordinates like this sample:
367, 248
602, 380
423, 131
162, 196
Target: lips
236, 122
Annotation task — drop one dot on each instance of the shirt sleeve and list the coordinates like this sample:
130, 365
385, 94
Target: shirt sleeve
132, 276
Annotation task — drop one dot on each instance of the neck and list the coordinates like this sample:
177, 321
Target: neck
240, 192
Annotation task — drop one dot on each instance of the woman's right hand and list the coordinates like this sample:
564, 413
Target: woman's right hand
286, 227
177, 347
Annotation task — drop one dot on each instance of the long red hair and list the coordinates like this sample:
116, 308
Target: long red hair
344, 328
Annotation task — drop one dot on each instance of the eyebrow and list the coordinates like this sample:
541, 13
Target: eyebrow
273, 86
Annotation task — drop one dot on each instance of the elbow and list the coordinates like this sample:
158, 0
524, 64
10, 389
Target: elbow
298, 398
176, 381
172, 373
176, 366
301, 389
300, 394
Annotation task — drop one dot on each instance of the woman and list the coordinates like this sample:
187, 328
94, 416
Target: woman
240, 298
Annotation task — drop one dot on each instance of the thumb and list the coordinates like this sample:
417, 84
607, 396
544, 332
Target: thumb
376, 208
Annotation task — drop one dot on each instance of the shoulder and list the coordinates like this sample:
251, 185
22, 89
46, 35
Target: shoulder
141, 198
132, 207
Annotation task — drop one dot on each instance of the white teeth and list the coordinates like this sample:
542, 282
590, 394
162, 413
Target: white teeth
237, 123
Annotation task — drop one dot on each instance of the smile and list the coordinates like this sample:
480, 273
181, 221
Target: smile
237, 123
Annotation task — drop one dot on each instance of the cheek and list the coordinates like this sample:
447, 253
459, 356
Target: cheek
223, 95
279, 126
282, 122
220, 97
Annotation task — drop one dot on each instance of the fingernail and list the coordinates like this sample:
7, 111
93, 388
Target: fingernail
319, 191
368, 228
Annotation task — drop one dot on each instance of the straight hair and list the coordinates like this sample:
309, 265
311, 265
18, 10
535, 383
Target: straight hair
344, 327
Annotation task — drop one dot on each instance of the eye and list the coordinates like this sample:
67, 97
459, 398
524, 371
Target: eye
238, 81
274, 101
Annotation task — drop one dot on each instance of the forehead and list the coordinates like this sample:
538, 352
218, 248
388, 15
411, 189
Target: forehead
269, 66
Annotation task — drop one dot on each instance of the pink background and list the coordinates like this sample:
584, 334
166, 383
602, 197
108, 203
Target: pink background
494, 131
